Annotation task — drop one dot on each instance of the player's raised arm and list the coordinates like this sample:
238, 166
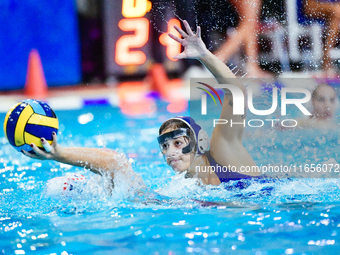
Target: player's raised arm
194, 47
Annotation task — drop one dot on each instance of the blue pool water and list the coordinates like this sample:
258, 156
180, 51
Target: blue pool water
285, 216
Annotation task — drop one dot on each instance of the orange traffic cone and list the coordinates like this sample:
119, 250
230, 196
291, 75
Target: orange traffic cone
35, 86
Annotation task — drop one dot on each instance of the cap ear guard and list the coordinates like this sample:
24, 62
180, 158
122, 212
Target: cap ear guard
202, 141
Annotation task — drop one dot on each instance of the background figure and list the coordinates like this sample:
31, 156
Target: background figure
329, 11
246, 33
325, 103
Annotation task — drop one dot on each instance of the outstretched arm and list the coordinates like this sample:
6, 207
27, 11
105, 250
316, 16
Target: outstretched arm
99, 161
194, 47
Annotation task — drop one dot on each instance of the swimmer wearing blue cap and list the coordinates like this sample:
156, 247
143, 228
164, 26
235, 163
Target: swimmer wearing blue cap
185, 146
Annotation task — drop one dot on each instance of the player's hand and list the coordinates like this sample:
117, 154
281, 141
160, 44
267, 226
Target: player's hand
193, 45
51, 151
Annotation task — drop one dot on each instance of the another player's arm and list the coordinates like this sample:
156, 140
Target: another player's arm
99, 161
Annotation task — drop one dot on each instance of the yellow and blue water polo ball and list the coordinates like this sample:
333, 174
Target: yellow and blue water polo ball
28, 121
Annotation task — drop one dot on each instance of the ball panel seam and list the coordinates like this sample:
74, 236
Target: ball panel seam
20, 125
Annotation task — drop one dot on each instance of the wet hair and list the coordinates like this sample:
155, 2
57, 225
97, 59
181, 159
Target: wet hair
315, 90
172, 124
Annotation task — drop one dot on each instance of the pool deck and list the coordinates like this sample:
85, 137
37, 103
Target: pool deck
77, 96
124, 94
63, 97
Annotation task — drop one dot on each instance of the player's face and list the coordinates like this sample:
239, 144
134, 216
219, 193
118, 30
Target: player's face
325, 103
172, 151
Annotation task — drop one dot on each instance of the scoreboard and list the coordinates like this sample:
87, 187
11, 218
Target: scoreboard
131, 42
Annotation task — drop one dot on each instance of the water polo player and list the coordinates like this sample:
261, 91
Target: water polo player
184, 144
325, 104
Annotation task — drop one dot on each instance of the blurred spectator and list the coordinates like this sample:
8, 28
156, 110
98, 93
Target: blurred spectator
246, 33
325, 106
328, 10
325, 103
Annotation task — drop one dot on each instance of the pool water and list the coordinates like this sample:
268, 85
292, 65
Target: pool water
175, 215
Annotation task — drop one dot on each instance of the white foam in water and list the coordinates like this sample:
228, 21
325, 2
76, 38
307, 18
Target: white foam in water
180, 187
